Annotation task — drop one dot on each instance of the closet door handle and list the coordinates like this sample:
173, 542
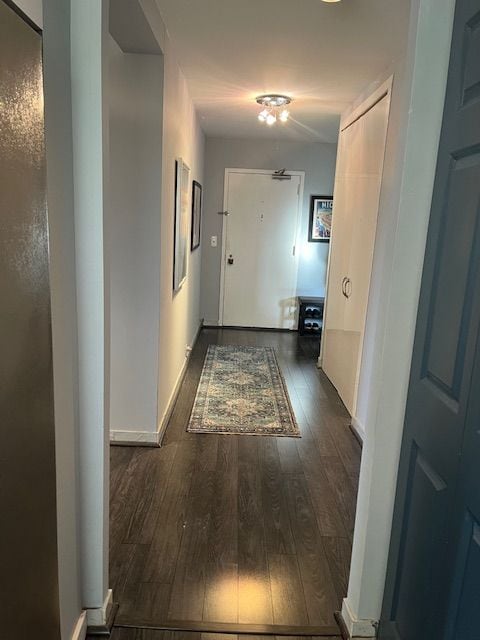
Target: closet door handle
348, 288
344, 282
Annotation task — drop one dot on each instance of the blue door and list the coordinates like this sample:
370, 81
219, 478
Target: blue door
433, 581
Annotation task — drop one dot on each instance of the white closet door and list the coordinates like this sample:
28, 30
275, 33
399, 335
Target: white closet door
357, 190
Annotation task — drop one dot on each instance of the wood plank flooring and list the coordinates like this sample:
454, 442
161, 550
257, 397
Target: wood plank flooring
237, 529
152, 634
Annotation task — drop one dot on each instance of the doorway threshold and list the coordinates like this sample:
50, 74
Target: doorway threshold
321, 631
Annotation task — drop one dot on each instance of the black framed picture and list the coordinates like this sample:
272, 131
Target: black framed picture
320, 224
196, 215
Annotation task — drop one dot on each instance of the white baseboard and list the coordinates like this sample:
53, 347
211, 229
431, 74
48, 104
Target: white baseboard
211, 323
167, 414
359, 429
154, 438
357, 629
80, 631
146, 438
98, 617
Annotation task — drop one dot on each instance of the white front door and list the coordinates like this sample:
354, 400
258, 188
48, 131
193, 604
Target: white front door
260, 266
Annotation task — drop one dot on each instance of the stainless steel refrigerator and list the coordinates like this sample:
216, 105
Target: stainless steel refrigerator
28, 523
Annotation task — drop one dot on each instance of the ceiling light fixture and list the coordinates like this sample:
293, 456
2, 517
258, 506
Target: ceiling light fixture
274, 108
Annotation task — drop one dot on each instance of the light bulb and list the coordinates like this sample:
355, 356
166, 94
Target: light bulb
271, 119
284, 115
262, 116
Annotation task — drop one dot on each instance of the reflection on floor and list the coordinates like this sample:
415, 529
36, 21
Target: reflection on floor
150, 634
238, 529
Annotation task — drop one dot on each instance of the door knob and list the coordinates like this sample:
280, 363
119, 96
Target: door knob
230, 259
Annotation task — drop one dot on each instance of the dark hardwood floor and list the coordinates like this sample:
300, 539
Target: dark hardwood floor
152, 634
237, 529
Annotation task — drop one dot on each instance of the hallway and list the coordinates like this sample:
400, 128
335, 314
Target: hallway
240, 530
173, 172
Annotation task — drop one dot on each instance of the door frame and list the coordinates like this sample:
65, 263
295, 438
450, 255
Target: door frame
298, 221
383, 90
405, 201
450, 404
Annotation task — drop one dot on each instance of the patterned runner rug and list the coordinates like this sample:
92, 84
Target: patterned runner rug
242, 390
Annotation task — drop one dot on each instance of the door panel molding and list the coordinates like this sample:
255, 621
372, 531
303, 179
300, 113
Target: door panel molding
425, 510
471, 52
449, 316
461, 607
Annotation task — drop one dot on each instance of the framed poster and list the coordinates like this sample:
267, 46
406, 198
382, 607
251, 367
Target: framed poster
182, 184
196, 215
320, 224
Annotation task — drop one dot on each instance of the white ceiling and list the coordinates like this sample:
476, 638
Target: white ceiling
323, 55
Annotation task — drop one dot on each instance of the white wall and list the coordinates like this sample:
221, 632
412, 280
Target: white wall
89, 32
412, 143
318, 162
142, 263
75, 139
77, 175
133, 240
179, 313
58, 133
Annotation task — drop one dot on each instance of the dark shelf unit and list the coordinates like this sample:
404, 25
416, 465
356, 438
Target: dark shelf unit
310, 316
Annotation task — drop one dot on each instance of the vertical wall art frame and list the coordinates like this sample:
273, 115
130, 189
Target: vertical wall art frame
182, 184
196, 215
320, 223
